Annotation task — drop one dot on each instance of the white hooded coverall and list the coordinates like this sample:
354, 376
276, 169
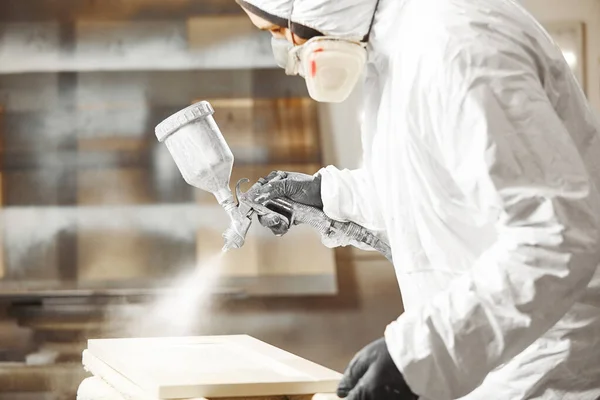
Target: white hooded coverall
481, 166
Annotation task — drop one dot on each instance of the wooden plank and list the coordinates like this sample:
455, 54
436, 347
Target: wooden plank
30, 168
282, 269
48, 10
208, 366
288, 129
133, 46
32, 396
163, 92
123, 251
144, 289
261, 133
94, 388
24, 378
2, 260
66, 240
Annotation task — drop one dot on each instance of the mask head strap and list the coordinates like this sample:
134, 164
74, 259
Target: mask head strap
366, 38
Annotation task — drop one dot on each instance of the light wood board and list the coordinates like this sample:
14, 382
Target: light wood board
211, 367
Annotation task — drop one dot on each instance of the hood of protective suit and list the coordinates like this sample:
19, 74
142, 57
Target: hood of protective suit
344, 19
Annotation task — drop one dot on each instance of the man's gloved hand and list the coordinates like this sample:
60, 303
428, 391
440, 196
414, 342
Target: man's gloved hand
372, 375
301, 188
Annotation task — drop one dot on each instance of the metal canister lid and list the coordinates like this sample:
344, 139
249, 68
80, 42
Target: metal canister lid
181, 118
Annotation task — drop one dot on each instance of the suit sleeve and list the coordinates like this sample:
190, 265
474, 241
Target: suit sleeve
348, 195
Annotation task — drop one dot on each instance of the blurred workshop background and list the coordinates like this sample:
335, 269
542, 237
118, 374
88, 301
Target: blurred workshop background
96, 220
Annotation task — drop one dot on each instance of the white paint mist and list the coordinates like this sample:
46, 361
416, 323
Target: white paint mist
181, 310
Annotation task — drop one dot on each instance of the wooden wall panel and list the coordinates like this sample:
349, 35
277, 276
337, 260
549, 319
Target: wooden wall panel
109, 45
2, 261
81, 102
43, 10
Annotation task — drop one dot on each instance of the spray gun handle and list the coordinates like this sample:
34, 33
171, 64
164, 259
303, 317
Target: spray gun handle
299, 213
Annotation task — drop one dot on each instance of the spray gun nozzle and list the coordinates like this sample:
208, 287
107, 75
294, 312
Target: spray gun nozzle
233, 239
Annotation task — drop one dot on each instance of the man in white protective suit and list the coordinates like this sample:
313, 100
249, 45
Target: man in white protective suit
481, 168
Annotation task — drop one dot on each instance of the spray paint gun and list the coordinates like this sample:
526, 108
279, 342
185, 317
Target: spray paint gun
205, 161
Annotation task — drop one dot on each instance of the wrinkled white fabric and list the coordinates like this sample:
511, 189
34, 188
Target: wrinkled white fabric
346, 19
358, 202
482, 166
278, 8
351, 191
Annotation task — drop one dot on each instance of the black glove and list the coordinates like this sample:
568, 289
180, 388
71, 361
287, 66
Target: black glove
372, 375
301, 188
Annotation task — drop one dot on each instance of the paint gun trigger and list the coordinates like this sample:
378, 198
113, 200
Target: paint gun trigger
248, 204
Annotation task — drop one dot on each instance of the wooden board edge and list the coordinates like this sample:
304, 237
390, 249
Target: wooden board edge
113, 378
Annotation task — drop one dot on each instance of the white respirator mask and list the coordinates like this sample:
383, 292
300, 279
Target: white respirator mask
331, 67
281, 48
